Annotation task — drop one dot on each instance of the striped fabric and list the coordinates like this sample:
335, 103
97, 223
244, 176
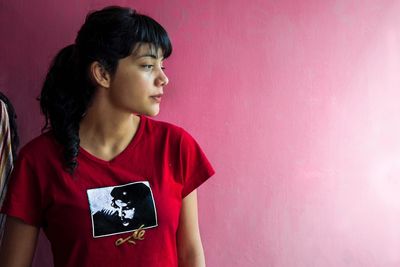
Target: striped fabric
6, 158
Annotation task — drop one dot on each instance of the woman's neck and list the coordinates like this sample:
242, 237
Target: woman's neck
105, 133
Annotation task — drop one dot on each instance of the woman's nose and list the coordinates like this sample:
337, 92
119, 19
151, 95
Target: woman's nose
162, 79
120, 212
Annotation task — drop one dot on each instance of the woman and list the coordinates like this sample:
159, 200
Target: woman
108, 185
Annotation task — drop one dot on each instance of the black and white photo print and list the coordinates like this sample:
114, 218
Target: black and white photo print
121, 209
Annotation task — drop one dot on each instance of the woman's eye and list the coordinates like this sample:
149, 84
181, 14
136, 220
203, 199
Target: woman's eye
147, 66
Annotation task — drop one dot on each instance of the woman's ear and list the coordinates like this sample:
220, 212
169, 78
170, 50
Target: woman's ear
99, 75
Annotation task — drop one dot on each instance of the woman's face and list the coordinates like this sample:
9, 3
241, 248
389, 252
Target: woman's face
124, 211
137, 85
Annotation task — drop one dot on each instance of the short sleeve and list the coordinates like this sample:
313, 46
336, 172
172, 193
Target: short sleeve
24, 194
195, 167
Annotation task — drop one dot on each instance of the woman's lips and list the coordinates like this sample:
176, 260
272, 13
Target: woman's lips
157, 98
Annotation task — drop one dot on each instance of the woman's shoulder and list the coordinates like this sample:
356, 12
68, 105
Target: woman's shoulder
168, 131
41, 145
164, 127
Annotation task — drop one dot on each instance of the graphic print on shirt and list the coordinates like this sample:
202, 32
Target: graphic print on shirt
122, 209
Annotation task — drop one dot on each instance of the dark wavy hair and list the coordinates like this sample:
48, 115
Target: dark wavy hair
107, 36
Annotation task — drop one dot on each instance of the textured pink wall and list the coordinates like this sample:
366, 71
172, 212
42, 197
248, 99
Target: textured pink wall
295, 102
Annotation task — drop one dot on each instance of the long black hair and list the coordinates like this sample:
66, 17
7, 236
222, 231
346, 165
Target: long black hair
107, 36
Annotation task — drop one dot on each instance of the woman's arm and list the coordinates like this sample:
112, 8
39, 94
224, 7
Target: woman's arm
190, 249
19, 243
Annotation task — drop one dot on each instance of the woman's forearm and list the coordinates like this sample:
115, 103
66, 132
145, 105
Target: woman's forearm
194, 257
18, 244
190, 248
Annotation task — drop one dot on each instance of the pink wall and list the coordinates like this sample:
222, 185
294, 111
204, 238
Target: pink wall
295, 102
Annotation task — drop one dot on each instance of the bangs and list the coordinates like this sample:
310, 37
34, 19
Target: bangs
147, 30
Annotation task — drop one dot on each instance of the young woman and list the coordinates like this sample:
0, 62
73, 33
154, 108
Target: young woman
108, 185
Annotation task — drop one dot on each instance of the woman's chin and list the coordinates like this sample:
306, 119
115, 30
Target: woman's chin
153, 112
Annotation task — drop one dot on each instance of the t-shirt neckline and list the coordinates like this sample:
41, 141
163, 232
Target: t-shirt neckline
122, 154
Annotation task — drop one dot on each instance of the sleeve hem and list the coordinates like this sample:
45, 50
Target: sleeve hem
21, 216
198, 183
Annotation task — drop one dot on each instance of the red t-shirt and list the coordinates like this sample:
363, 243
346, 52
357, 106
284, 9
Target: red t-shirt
122, 212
